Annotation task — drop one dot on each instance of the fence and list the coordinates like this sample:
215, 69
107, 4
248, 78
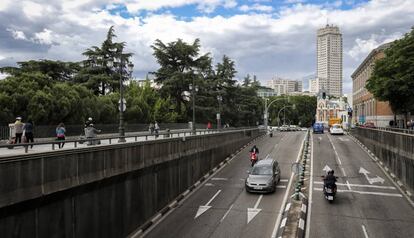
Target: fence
45, 131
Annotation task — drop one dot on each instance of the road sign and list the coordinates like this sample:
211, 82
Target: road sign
296, 168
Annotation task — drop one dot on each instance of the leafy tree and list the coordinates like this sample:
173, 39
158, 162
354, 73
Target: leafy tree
95, 73
392, 78
180, 65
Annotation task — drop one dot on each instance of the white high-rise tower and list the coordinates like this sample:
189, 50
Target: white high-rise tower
329, 60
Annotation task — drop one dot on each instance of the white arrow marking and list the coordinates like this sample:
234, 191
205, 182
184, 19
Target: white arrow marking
204, 208
377, 179
326, 168
252, 212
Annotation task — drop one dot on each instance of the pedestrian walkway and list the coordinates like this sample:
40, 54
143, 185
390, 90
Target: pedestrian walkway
48, 146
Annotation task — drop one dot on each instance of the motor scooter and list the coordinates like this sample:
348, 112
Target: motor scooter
329, 190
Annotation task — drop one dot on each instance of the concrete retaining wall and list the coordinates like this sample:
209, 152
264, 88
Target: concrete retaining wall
395, 150
104, 191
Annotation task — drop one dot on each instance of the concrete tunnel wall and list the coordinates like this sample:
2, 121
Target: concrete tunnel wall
395, 150
104, 191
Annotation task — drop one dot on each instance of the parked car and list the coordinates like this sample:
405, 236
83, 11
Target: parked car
284, 128
318, 127
369, 125
264, 176
336, 129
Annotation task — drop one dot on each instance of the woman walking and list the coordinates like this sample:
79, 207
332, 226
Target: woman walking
60, 134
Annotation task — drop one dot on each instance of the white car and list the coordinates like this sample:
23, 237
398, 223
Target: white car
336, 129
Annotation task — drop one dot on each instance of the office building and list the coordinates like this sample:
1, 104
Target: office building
329, 60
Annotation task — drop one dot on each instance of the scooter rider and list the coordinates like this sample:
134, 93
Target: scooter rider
330, 179
254, 151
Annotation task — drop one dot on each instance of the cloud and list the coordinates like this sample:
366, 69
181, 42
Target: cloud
281, 42
256, 7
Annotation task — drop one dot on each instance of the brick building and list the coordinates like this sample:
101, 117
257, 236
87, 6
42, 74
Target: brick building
366, 108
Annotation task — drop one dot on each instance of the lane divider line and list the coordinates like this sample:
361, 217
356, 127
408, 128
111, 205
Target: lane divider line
365, 231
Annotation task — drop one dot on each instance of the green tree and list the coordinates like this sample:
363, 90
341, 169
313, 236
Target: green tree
180, 65
95, 73
392, 78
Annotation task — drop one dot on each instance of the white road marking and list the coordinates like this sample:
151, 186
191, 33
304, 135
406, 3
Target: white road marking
209, 184
377, 179
252, 212
362, 192
284, 180
360, 185
365, 231
326, 168
308, 215
216, 179
349, 185
279, 216
343, 171
226, 213
336, 153
280, 186
204, 208
343, 139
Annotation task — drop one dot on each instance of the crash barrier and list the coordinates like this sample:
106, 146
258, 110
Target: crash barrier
105, 191
110, 138
395, 150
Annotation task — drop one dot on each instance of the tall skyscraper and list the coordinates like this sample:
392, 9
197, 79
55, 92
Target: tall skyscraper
329, 60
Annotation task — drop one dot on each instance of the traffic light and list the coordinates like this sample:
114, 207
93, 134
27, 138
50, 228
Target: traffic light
324, 95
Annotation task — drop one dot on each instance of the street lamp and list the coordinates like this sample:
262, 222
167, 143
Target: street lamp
284, 117
193, 90
219, 99
121, 65
266, 113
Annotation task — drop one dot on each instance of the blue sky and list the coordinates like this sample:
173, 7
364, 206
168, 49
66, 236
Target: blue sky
267, 38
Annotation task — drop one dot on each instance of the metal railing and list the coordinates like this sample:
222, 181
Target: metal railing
111, 139
393, 129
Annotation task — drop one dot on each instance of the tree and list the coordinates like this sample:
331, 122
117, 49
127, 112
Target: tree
392, 77
180, 65
95, 73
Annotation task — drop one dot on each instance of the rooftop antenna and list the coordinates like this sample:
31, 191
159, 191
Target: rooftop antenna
327, 21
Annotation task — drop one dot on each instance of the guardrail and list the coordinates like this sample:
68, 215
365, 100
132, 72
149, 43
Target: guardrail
399, 130
162, 134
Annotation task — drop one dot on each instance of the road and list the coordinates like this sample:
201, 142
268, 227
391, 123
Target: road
220, 207
368, 204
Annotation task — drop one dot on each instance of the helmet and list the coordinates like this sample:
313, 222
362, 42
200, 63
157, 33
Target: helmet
18, 118
331, 172
90, 119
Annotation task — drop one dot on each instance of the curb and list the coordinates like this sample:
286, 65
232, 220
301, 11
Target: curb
302, 219
386, 170
179, 198
283, 221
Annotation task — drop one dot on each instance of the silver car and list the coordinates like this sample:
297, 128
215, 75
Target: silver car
263, 177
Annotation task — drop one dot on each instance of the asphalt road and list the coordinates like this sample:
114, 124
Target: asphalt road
225, 193
367, 203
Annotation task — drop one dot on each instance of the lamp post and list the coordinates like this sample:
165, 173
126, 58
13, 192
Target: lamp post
121, 65
266, 113
193, 88
219, 99
284, 118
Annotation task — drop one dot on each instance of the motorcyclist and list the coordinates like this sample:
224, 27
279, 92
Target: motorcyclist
254, 151
330, 179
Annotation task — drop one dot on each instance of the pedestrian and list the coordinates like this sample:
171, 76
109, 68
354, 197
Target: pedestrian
18, 127
60, 134
156, 128
151, 128
91, 134
28, 132
208, 125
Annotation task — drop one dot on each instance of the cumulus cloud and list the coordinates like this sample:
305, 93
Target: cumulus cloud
263, 43
256, 7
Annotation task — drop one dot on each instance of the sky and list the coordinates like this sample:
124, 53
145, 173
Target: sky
266, 38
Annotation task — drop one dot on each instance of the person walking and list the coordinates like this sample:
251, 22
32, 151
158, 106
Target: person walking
18, 127
208, 125
28, 132
157, 129
60, 134
151, 128
91, 133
